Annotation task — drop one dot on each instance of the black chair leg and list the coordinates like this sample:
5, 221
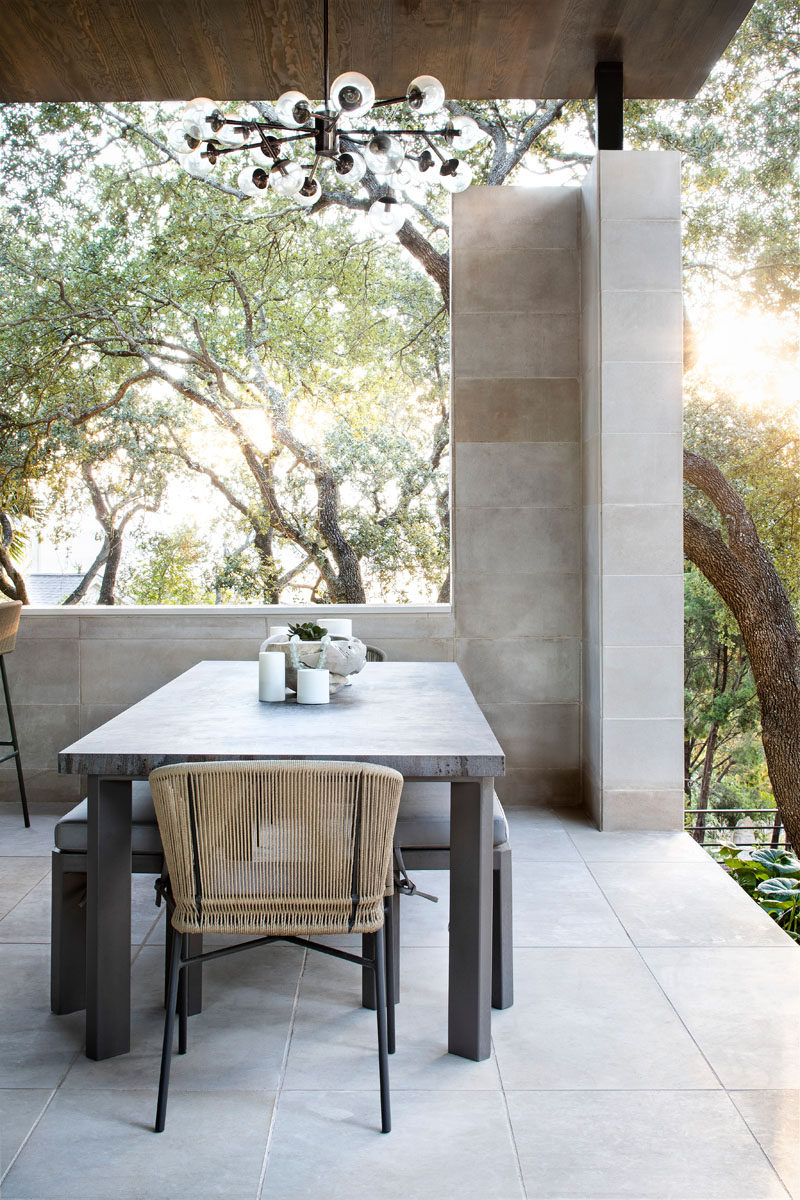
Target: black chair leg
383, 1054
169, 1028
183, 998
388, 912
15, 744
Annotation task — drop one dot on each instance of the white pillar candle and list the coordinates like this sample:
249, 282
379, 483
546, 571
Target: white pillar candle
313, 687
338, 627
279, 629
272, 675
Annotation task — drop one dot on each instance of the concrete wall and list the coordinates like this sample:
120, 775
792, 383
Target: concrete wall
567, 580
631, 358
517, 487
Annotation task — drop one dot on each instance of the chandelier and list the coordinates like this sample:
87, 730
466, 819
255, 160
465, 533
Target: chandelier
288, 155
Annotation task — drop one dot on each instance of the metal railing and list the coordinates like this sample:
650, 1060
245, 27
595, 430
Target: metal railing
716, 836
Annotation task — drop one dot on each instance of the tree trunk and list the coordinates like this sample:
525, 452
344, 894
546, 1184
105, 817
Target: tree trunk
263, 544
11, 582
745, 577
705, 784
83, 587
112, 566
349, 587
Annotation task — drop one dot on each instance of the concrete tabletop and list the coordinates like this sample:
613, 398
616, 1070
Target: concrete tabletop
420, 718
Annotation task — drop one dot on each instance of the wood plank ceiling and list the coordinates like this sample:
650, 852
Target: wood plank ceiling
256, 49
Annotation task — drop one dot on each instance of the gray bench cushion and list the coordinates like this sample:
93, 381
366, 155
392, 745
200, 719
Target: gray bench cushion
70, 831
423, 821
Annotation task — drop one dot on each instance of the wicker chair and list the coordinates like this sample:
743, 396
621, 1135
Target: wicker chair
374, 654
282, 851
9, 624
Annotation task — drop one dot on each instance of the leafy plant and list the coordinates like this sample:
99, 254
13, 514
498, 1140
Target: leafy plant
308, 631
772, 878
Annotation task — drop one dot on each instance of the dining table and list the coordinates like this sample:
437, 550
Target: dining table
418, 717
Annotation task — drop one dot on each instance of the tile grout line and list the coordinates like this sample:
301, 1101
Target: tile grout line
281, 1077
46, 1106
757, 1140
32, 888
512, 1135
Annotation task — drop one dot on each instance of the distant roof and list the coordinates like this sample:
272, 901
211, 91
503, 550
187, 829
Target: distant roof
256, 49
51, 589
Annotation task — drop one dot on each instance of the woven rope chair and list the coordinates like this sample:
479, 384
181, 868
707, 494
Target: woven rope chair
9, 624
282, 851
375, 654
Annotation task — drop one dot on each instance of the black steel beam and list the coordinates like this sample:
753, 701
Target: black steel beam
608, 105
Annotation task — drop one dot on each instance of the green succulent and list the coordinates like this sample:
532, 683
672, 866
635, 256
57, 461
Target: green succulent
308, 632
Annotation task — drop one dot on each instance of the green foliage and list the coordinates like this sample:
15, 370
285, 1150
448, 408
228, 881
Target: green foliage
172, 570
772, 878
307, 631
740, 144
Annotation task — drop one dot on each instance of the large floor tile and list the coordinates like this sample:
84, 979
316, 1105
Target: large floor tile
29, 921
17, 876
36, 1048
542, 843
15, 839
685, 904
560, 904
101, 1145
595, 845
742, 1006
643, 1145
592, 1019
423, 922
20, 1108
442, 1145
774, 1120
334, 1040
236, 1043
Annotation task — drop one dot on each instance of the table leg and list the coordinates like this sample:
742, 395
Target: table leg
470, 982
108, 919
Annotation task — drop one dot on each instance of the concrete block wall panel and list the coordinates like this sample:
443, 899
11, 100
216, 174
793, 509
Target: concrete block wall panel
517, 486
632, 490
74, 669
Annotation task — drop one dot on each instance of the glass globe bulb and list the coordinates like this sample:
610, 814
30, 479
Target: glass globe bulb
253, 181
351, 166
179, 140
309, 193
458, 179
233, 135
195, 117
407, 176
352, 93
286, 178
466, 133
425, 94
197, 164
383, 154
293, 109
386, 215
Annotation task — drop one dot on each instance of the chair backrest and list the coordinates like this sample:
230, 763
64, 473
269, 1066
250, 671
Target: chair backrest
375, 654
283, 848
9, 624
